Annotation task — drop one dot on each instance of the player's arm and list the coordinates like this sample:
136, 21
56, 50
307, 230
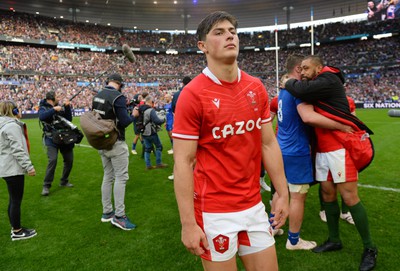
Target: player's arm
311, 90
193, 236
272, 115
121, 112
273, 163
312, 118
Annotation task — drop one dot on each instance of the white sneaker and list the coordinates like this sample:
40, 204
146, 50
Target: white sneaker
133, 152
277, 232
322, 215
170, 151
301, 245
347, 217
171, 178
264, 185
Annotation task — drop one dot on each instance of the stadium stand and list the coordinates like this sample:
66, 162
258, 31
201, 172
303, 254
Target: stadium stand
28, 69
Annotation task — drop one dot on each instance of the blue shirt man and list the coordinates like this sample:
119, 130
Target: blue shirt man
169, 115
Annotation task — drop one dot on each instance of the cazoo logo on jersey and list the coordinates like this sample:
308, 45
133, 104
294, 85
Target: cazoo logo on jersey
238, 128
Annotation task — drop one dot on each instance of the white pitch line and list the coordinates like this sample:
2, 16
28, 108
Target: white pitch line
383, 122
379, 187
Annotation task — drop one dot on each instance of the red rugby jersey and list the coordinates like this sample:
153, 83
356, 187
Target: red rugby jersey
225, 118
352, 104
274, 105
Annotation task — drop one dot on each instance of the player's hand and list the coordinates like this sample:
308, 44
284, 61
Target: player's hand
194, 239
57, 108
283, 81
280, 212
32, 172
346, 129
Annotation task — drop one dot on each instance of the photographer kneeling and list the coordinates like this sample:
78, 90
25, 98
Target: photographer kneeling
152, 122
48, 112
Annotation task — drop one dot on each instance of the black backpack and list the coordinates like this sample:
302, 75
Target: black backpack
140, 124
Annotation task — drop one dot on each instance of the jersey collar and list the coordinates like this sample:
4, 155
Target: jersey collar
210, 75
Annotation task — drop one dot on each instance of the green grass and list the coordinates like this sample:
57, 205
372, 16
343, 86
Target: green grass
71, 236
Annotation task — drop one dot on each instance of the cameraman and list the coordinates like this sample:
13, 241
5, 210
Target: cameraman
48, 110
150, 136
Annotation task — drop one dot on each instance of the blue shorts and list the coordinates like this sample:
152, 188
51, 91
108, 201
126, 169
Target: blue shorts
169, 126
298, 169
135, 129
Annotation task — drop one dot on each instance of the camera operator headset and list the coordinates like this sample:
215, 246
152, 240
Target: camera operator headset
15, 110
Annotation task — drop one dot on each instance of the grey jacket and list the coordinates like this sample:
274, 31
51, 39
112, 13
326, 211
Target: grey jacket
152, 120
14, 157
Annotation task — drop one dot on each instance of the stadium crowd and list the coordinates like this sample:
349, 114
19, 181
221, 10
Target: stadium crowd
21, 25
371, 66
